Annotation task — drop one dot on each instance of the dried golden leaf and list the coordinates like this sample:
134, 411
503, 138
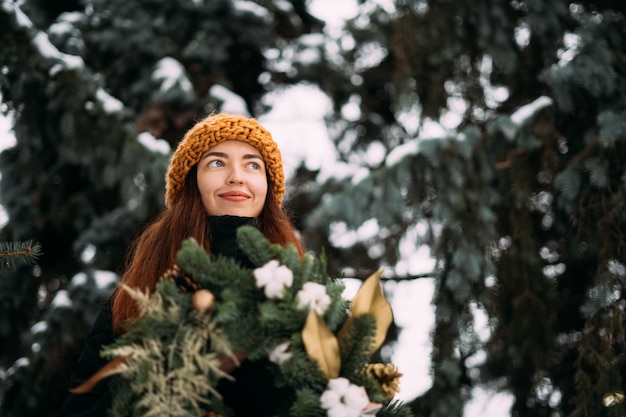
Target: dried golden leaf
321, 345
370, 299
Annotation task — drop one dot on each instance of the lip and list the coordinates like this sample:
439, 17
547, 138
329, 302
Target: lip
234, 196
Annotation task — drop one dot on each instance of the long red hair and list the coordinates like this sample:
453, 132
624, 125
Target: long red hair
154, 251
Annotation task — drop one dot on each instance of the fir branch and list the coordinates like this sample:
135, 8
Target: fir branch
356, 343
26, 252
290, 257
280, 318
256, 246
307, 267
175, 349
395, 409
194, 260
337, 312
307, 404
301, 370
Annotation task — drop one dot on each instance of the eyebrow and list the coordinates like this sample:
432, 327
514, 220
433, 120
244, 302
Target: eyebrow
225, 155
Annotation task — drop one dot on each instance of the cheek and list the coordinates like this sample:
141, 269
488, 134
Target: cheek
205, 185
261, 187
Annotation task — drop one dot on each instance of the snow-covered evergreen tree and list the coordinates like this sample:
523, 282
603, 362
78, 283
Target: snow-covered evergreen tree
492, 132
98, 91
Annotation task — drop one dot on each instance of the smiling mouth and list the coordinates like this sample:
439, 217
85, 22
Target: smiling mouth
235, 196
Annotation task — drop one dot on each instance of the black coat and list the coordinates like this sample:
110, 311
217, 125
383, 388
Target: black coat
252, 393
98, 400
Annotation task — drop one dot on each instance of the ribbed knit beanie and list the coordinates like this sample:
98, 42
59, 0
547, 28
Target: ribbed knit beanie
215, 129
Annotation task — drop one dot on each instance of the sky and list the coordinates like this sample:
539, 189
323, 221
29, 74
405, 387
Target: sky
297, 124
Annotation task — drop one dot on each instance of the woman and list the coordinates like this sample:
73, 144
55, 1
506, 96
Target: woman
226, 172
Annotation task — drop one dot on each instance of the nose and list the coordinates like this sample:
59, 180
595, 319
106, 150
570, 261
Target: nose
235, 176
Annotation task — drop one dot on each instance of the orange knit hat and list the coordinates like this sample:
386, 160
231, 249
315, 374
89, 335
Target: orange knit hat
216, 129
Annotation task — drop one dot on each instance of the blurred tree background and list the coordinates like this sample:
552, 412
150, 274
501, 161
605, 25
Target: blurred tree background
520, 193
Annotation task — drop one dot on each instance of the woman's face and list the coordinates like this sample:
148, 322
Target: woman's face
232, 180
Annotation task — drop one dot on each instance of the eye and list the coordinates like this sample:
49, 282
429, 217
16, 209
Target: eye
216, 163
254, 165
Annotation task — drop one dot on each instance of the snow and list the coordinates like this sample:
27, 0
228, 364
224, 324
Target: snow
251, 7
341, 237
231, 102
296, 123
19, 363
375, 153
312, 39
109, 103
333, 16
104, 279
370, 55
46, 49
485, 402
61, 299
171, 73
39, 327
400, 152
417, 260
7, 139
43, 44
414, 314
521, 115
60, 28
156, 145
572, 43
4, 217
21, 18
308, 56
79, 280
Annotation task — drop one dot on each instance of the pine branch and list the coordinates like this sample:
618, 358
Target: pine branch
26, 252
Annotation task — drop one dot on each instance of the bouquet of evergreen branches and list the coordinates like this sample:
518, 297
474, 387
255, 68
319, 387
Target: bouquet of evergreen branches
287, 309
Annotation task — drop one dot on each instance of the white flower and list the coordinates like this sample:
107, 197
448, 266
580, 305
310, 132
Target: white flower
281, 353
313, 295
343, 399
274, 278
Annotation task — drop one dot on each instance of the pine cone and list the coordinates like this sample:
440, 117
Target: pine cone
184, 282
388, 377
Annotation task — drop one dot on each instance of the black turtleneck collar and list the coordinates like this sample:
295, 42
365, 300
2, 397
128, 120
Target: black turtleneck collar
223, 237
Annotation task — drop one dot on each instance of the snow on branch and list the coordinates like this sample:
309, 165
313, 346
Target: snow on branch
521, 115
